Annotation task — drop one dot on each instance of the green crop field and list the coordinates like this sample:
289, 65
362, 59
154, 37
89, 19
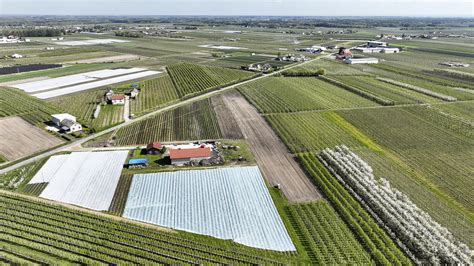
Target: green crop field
191, 79
441, 155
430, 161
46, 233
195, 121
378, 244
458, 93
331, 66
14, 102
398, 95
278, 95
155, 93
325, 236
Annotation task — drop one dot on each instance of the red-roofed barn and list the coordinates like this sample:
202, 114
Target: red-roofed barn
185, 156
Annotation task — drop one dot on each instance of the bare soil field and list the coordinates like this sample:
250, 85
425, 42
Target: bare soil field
227, 123
19, 138
277, 164
108, 59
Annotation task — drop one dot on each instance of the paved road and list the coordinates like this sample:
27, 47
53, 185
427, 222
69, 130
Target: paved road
112, 129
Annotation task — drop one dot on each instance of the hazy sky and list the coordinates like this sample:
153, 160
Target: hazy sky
445, 8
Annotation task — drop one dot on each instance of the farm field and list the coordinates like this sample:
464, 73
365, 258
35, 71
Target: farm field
54, 83
270, 154
321, 162
14, 102
441, 155
325, 236
227, 203
385, 251
35, 228
86, 179
280, 95
191, 79
94, 84
458, 93
396, 94
331, 66
227, 122
196, 121
16, 132
317, 131
155, 93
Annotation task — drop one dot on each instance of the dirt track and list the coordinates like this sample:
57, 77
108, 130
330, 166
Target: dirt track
277, 164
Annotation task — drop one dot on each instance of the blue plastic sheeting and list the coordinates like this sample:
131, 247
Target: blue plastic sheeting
227, 203
138, 161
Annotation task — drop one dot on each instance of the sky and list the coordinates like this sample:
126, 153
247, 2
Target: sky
424, 8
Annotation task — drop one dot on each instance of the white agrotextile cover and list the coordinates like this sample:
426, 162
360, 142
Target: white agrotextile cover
227, 203
86, 179
93, 85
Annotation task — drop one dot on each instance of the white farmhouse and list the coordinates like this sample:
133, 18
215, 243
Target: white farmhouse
118, 99
66, 122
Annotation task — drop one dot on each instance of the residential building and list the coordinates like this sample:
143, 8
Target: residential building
118, 99
66, 122
154, 148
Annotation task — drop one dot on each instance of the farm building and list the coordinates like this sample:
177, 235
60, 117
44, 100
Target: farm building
117, 99
137, 163
66, 123
377, 47
361, 61
154, 148
344, 53
185, 156
16, 56
132, 93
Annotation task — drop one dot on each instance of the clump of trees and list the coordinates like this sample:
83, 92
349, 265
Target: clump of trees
128, 34
47, 32
423, 236
304, 73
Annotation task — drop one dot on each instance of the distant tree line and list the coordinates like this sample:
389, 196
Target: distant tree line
304, 72
129, 34
34, 32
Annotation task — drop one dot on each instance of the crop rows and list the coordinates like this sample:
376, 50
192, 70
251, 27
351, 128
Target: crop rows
377, 243
74, 236
458, 93
325, 237
418, 89
428, 240
363, 93
155, 93
332, 67
278, 95
397, 94
429, 76
440, 154
316, 131
196, 121
191, 79
17, 103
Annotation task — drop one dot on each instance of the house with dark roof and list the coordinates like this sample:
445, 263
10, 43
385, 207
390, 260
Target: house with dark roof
154, 148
